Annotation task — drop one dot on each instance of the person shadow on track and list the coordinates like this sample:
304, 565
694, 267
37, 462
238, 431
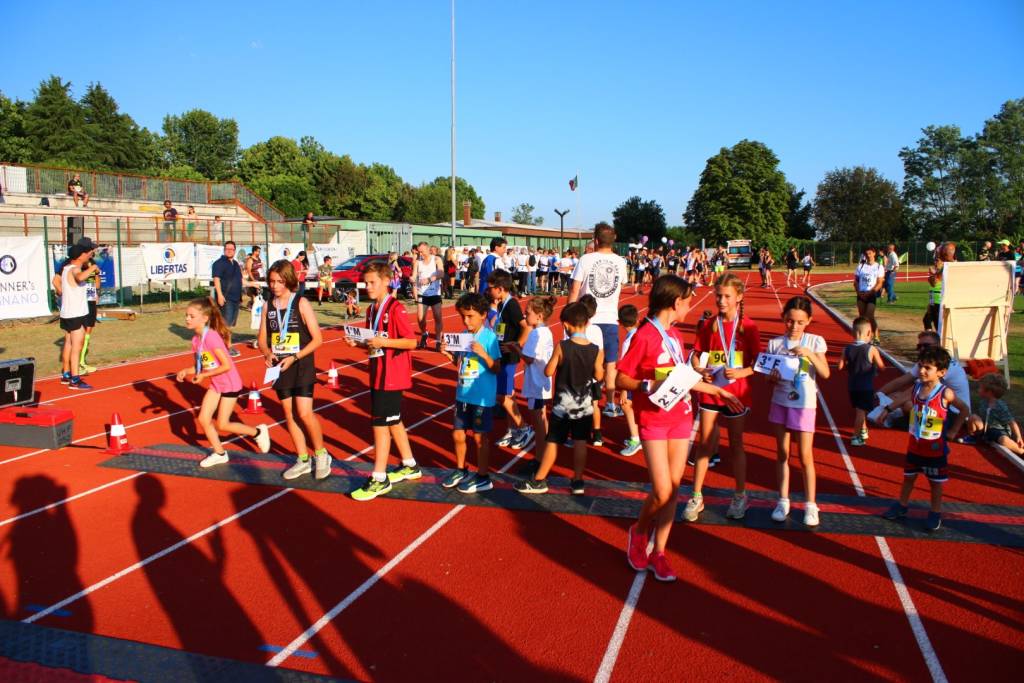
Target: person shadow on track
183, 425
190, 587
43, 549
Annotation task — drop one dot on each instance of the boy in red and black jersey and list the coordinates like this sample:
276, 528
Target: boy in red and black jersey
390, 351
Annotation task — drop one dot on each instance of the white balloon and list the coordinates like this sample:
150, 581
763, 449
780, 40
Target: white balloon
664, 239
930, 246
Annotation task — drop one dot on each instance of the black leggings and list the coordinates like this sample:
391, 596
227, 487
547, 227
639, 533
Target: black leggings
931, 317
866, 309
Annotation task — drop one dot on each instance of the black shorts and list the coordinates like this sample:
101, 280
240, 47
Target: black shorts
561, 428
72, 324
724, 411
538, 403
863, 399
297, 381
232, 394
430, 300
935, 469
807, 269
596, 390
90, 320
386, 407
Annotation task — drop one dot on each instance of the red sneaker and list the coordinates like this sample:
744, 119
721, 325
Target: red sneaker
661, 568
636, 550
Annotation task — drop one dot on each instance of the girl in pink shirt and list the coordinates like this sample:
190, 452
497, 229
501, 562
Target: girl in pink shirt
211, 361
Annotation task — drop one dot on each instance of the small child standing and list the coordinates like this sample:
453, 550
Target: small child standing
212, 362
928, 448
628, 319
862, 361
596, 337
576, 364
475, 396
507, 322
994, 423
794, 404
537, 351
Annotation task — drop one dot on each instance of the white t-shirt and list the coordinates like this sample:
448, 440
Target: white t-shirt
868, 276
803, 393
539, 346
601, 275
955, 378
593, 334
565, 265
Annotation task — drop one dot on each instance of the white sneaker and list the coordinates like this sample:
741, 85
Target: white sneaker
507, 439
781, 510
810, 514
611, 410
263, 438
522, 437
214, 459
298, 469
738, 506
694, 506
323, 466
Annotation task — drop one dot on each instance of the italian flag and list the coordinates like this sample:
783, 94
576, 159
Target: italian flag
574, 182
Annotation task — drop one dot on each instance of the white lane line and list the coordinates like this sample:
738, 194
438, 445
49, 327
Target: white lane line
611, 653
69, 499
152, 558
847, 461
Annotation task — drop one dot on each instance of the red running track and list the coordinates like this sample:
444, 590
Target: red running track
424, 590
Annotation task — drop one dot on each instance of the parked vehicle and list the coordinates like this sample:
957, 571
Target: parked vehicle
739, 253
349, 273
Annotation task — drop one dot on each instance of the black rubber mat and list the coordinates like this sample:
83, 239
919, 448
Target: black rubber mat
964, 522
127, 660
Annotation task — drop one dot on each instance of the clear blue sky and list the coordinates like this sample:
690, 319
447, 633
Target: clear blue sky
636, 95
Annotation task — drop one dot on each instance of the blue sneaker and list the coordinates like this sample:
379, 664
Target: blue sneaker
77, 384
475, 484
895, 511
933, 522
454, 477
65, 378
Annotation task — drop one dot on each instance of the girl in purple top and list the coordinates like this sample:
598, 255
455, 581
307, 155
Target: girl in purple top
211, 361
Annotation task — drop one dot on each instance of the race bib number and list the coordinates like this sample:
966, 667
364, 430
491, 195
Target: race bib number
499, 330
722, 358
208, 361
931, 427
286, 345
377, 353
470, 369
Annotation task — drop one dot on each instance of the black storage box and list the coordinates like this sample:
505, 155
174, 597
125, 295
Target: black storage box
17, 381
42, 427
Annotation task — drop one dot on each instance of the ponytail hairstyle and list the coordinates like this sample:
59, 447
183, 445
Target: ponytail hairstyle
665, 291
211, 310
543, 306
802, 303
734, 281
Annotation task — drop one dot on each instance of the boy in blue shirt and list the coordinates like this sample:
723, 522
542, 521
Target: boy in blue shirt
474, 396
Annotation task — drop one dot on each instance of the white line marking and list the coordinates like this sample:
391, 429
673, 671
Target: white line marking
69, 499
152, 558
611, 653
850, 469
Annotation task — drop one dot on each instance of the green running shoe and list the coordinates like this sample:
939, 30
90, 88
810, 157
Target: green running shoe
404, 472
371, 489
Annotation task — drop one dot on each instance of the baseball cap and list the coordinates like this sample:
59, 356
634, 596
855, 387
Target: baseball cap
85, 244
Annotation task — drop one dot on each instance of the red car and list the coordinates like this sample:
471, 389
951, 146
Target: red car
349, 273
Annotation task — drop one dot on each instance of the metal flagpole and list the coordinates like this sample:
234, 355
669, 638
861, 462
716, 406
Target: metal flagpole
453, 123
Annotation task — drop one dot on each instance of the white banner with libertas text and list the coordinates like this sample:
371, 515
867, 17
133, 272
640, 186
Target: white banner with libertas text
169, 261
23, 291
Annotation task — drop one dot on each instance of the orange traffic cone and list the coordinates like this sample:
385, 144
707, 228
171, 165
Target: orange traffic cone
118, 442
332, 377
254, 406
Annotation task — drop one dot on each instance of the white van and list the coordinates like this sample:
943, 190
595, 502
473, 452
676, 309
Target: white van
739, 253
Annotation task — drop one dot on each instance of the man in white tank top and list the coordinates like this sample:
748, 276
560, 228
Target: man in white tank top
74, 309
427, 276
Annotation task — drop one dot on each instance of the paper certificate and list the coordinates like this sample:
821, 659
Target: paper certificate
719, 379
271, 375
676, 387
458, 341
358, 334
787, 366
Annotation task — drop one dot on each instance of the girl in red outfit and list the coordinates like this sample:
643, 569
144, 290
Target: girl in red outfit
212, 362
655, 350
731, 343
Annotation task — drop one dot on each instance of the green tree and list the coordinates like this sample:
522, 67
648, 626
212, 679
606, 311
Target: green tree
204, 142
294, 195
741, 194
1003, 139
799, 215
14, 142
273, 157
382, 194
431, 202
55, 126
115, 141
635, 217
340, 183
858, 205
181, 172
523, 214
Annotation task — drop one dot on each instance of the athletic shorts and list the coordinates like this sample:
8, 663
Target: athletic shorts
538, 403
232, 394
994, 434
724, 411
430, 300
610, 337
90, 320
807, 269
471, 418
72, 324
507, 380
681, 429
935, 469
862, 399
297, 381
386, 407
562, 428
796, 419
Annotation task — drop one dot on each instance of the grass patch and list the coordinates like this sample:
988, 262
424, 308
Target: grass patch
900, 322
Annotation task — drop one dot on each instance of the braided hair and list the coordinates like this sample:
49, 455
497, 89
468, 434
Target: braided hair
731, 280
